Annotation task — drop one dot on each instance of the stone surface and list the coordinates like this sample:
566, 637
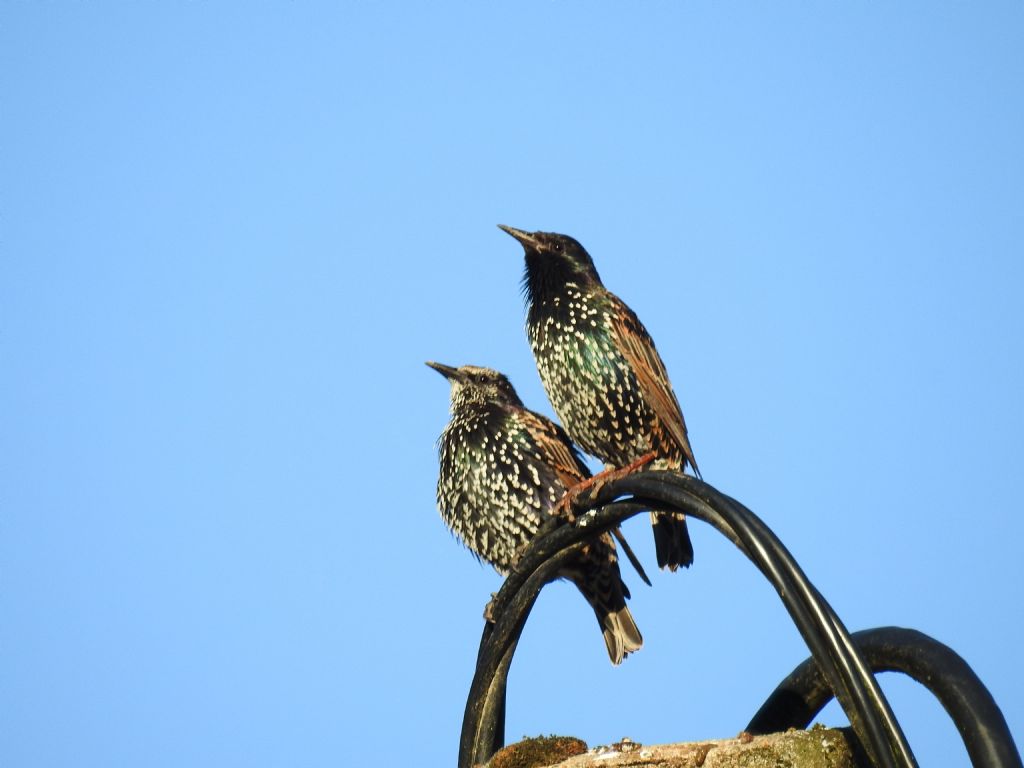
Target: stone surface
817, 748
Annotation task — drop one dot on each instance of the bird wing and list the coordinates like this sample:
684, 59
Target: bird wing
559, 453
637, 347
556, 449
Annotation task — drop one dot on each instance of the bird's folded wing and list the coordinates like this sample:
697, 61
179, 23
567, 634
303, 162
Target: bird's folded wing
641, 356
556, 449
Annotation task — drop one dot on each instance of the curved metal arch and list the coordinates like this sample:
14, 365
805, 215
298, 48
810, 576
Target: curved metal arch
802, 695
846, 670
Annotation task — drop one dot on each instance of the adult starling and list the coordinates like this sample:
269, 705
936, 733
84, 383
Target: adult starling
503, 470
601, 371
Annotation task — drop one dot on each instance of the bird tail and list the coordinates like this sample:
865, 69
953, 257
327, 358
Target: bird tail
596, 574
672, 543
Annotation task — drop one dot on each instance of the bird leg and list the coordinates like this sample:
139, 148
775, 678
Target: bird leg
594, 484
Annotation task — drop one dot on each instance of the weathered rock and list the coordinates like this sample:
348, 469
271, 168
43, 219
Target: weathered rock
817, 748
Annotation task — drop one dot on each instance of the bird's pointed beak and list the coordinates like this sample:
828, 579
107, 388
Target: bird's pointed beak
526, 238
445, 370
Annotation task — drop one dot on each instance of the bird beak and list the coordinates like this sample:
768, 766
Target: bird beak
526, 238
445, 370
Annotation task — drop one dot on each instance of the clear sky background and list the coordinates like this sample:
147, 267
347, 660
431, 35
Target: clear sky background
230, 234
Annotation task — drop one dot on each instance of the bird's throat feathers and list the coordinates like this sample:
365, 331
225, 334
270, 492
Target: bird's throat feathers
547, 276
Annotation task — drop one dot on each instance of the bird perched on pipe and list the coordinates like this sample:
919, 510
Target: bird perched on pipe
602, 373
503, 468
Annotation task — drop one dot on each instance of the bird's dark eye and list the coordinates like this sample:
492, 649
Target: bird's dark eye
557, 247
481, 378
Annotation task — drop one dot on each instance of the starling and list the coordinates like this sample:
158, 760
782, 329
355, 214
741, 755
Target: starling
503, 470
601, 372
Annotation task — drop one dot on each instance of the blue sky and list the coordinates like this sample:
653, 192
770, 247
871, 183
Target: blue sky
230, 234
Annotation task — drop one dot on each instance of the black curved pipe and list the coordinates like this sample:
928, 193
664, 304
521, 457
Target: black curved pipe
857, 691
830, 643
803, 694
483, 721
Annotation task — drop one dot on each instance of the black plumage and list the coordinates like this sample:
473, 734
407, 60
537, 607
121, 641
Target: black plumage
503, 468
602, 373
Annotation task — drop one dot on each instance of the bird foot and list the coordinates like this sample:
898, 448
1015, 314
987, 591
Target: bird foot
517, 556
489, 609
564, 506
594, 484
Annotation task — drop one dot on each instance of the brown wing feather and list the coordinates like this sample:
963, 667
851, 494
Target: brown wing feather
556, 449
638, 348
558, 452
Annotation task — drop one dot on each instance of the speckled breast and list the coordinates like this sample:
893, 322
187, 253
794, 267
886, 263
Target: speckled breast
589, 383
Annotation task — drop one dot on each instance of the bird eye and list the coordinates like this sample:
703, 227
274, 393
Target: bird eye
481, 378
557, 247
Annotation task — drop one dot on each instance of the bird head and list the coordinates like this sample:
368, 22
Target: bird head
552, 261
473, 384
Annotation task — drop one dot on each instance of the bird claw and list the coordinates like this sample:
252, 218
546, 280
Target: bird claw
489, 609
517, 556
565, 504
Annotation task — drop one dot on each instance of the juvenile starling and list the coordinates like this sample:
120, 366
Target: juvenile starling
503, 469
602, 373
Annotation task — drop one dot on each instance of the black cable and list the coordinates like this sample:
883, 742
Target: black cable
829, 642
540, 563
857, 691
477, 740
803, 694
